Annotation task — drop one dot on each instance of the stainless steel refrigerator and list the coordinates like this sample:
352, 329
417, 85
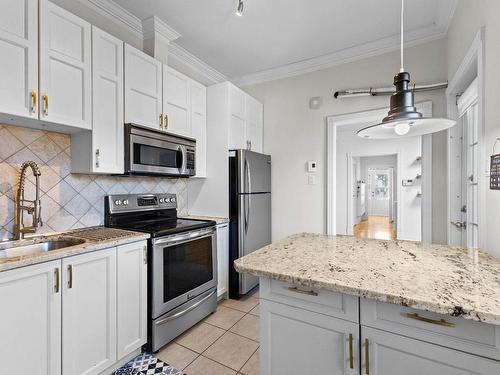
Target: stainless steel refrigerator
249, 213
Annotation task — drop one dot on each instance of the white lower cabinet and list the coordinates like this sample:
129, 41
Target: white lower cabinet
390, 354
30, 328
131, 297
222, 259
296, 341
89, 312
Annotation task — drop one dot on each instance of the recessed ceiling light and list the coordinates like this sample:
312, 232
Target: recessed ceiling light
239, 10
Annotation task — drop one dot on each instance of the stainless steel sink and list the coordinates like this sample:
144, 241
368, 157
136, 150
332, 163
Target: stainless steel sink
35, 246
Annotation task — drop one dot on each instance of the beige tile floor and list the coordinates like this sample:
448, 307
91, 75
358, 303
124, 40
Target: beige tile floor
225, 343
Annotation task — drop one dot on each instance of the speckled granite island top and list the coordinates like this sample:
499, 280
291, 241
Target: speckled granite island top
92, 239
436, 278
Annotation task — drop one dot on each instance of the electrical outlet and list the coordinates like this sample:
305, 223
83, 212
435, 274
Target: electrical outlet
311, 179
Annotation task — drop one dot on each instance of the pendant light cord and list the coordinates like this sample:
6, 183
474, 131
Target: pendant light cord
402, 69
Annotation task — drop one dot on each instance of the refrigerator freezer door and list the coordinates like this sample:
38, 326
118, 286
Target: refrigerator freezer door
255, 230
254, 172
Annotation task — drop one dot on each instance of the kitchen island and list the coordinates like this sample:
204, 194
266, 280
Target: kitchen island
343, 305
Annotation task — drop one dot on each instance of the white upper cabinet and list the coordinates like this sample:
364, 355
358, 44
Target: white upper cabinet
236, 133
143, 89
237, 102
199, 125
65, 67
31, 320
89, 312
176, 102
107, 103
19, 56
255, 124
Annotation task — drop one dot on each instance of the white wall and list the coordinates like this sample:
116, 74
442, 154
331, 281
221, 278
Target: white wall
471, 15
410, 207
293, 133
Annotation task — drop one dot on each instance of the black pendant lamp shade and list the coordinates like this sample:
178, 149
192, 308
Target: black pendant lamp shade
402, 106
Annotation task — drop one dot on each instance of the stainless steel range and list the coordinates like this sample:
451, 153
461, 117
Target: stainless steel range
182, 263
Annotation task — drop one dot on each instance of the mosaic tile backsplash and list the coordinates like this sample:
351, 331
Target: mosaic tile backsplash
69, 200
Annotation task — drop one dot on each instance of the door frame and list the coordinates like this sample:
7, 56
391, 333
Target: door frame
472, 66
373, 116
350, 156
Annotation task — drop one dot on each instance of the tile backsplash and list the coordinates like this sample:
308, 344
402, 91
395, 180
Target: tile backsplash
69, 200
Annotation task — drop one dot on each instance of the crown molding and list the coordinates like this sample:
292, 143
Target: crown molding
193, 62
154, 26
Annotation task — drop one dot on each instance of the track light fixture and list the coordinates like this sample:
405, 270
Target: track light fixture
239, 10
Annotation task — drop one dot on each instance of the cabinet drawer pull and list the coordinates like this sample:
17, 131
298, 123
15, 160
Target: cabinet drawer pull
351, 356
367, 357
56, 280
300, 291
441, 322
70, 276
161, 120
166, 121
33, 100
145, 251
97, 155
46, 104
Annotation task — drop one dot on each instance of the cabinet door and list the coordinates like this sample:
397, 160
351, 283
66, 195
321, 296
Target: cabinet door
254, 138
89, 312
132, 297
143, 89
222, 259
296, 341
19, 56
199, 125
65, 67
30, 328
254, 125
107, 101
176, 102
236, 133
237, 102
390, 354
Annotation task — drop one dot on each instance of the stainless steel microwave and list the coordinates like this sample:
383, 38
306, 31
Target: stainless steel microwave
151, 152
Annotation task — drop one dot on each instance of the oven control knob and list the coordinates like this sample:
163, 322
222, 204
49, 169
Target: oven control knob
118, 202
172, 200
161, 200
125, 202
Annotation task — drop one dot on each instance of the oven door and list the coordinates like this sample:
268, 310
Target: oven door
184, 266
156, 156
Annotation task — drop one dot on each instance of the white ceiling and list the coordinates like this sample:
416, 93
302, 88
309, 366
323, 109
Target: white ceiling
285, 36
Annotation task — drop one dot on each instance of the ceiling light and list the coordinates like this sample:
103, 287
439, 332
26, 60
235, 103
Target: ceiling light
403, 119
239, 10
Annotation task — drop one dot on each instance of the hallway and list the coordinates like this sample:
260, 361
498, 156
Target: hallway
376, 227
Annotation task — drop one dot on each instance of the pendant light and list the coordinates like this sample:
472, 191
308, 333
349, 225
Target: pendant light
403, 119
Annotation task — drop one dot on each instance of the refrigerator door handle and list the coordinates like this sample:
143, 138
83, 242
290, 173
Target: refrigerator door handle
247, 211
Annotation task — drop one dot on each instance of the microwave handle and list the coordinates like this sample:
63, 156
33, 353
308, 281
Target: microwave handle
181, 154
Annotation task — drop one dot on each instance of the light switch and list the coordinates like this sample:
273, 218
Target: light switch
311, 179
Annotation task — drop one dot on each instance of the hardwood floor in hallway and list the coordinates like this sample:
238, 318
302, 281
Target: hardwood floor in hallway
376, 227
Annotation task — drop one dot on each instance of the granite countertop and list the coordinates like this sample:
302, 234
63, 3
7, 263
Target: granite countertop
217, 219
436, 278
94, 238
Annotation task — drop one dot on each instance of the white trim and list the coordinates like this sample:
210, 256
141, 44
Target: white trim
468, 98
153, 26
473, 61
195, 63
372, 116
426, 188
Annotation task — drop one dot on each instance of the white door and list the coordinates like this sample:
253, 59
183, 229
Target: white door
89, 312
379, 190
222, 259
31, 314
176, 102
65, 67
143, 89
132, 297
107, 101
199, 125
389, 354
296, 341
19, 56
465, 172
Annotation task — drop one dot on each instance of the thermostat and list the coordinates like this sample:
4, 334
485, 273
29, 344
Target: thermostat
311, 166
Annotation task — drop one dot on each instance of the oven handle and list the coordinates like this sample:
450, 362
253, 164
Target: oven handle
184, 312
185, 237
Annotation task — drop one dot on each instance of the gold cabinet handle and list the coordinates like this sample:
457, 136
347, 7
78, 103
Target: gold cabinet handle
46, 104
166, 121
145, 250
440, 322
70, 276
56, 280
97, 156
300, 291
161, 120
33, 100
367, 357
351, 356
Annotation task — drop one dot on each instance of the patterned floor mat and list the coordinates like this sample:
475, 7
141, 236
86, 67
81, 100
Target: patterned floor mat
147, 364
